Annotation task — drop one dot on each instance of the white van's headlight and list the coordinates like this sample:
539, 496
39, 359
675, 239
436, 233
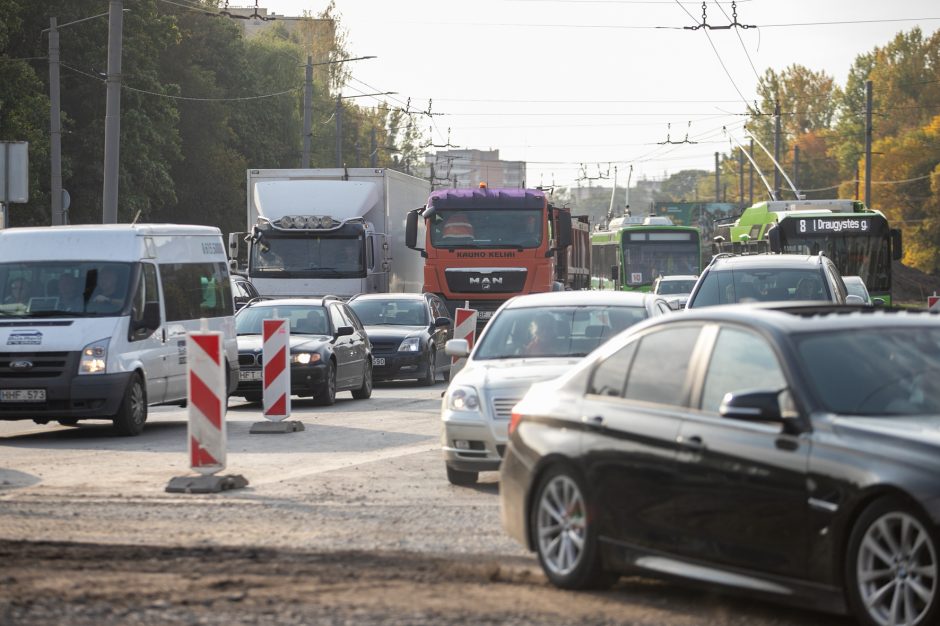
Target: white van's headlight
411, 344
94, 358
463, 399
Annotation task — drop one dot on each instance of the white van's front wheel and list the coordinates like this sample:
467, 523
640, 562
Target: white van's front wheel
131, 415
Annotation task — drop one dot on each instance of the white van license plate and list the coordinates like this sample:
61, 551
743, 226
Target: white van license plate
378, 361
23, 395
249, 375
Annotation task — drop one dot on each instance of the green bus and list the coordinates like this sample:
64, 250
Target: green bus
857, 239
633, 251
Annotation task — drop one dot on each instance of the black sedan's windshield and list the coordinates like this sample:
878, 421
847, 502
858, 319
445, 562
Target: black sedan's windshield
892, 371
391, 312
304, 319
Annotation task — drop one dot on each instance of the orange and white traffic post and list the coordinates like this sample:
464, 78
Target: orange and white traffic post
275, 379
207, 401
465, 327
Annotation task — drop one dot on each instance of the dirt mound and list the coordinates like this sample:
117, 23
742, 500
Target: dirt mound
912, 286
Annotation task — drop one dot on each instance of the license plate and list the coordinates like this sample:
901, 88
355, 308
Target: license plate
485, 315
23, 395
377, 360
249, 375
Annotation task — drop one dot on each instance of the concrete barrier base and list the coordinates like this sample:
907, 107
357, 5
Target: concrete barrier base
205, 484
275, 428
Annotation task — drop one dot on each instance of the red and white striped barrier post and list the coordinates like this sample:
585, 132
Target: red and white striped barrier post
276, 375
207, 401
465, 327
275, 379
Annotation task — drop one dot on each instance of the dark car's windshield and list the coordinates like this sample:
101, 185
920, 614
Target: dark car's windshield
554, 331
304, 319
892, 371
394, 312
671, 287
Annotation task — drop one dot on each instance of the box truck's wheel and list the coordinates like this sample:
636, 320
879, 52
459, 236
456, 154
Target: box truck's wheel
132, 413
325, 394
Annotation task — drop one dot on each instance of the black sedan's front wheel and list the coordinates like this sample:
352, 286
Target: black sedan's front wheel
427, 375
325, 394
565, 534
891, 566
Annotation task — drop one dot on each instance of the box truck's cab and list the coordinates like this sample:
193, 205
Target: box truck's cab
93, 319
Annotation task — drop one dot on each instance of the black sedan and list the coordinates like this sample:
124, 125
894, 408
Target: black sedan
329, 348
792, 454
408, 332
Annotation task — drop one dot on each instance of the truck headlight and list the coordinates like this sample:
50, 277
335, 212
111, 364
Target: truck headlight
463, 399
94, 357
411, 344
304, 358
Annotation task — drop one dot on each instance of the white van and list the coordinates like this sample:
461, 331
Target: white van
93, 319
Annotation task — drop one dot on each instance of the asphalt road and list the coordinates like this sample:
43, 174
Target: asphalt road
349, 521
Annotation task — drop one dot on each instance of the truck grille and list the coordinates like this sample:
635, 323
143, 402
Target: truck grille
495, 281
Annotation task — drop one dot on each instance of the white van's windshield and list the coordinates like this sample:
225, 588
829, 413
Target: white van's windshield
64, 288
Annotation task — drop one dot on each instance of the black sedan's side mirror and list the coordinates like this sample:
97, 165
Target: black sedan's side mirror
344, 331
442, 321
753, 406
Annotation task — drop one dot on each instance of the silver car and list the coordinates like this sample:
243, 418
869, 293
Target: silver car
856, 287
530, 338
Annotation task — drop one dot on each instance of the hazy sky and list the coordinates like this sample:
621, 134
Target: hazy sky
561, 83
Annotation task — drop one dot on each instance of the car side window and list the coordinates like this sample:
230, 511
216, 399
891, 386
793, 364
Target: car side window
662, 361
351, 317
609, 377
741, 360
336, 316
438, 308
708, 293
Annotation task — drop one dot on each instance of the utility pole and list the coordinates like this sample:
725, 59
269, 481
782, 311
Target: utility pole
339, 130
856, 181
796, 167
308, 113
112, 116
741, 176
776, 149
750, 178
717, 180
55, 125
373, 161
868, 132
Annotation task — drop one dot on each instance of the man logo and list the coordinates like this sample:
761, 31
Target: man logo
486, 282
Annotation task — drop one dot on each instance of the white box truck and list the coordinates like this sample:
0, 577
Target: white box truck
93, 319
338, 231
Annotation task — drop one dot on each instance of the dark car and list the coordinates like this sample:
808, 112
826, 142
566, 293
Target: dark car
329, 348
408, 333
243, 291
733, 278
792, 454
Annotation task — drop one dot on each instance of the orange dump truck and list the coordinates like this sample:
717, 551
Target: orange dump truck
484, 246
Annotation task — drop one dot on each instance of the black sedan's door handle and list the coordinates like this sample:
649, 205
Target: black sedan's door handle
692, 444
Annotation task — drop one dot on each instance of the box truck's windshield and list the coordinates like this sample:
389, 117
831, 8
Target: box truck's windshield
64, 288
309, 256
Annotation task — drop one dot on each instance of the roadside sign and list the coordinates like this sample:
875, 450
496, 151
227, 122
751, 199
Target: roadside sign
465, 327
933, 303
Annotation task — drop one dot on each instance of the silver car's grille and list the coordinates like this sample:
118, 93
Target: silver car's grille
502, 407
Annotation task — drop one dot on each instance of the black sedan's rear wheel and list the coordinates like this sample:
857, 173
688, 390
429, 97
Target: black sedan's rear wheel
565, 534
891, 566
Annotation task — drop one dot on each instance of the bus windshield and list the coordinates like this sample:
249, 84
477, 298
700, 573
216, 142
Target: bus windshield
855, 254
647, 255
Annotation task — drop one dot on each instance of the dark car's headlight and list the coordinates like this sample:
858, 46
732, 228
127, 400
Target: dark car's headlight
411, 344
304, 358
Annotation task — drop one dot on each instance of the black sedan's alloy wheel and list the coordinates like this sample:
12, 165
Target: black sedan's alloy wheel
325, 394
565, 538
891, 568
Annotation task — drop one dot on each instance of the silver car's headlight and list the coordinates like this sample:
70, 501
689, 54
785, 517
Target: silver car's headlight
463, 399
411, 344
94, 358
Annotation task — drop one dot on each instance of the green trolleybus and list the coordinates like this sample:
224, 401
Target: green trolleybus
633, 251
857, 239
